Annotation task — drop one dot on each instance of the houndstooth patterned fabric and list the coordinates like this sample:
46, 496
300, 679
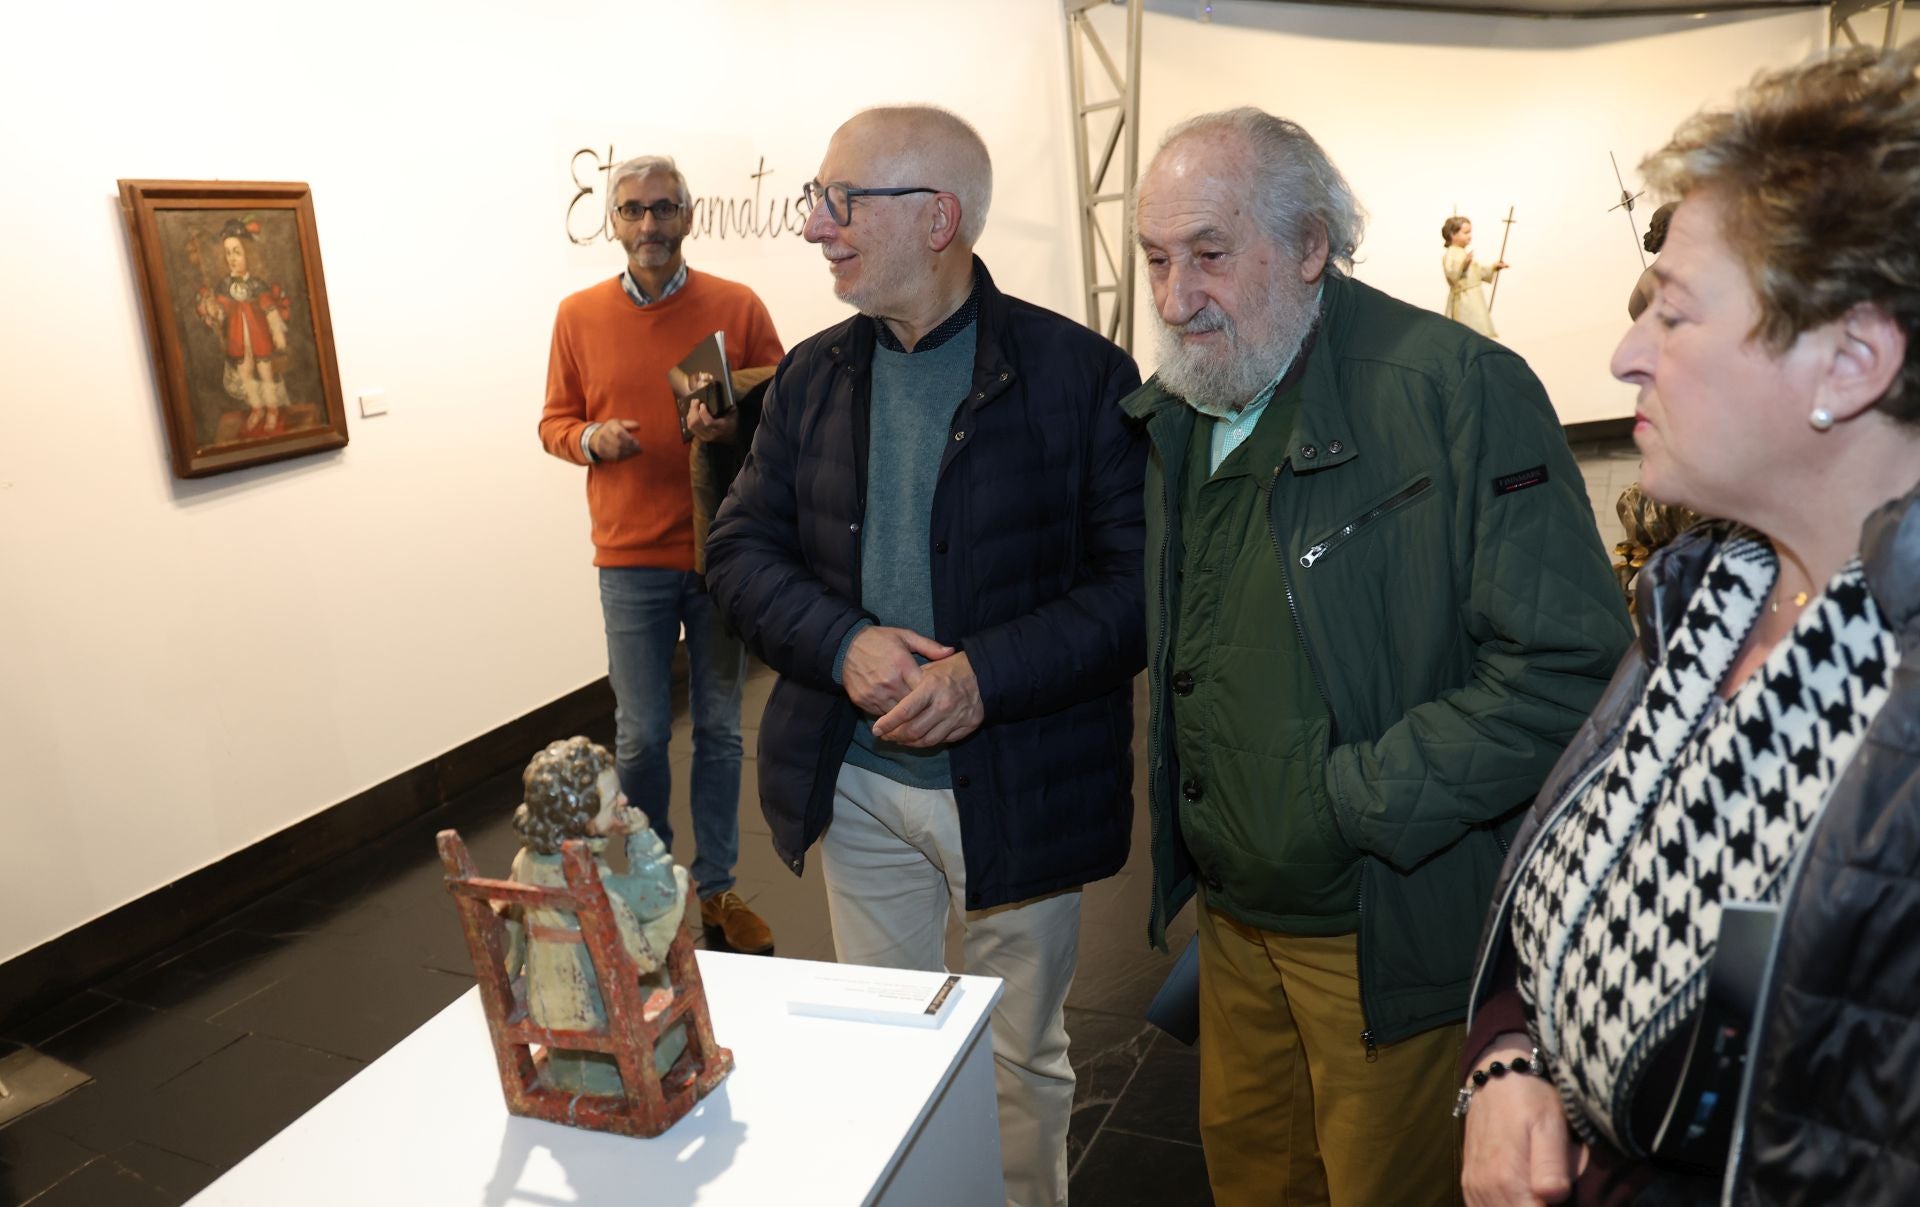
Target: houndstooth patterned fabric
1703, 801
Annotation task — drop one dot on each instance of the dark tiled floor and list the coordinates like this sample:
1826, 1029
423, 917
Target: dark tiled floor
202, 1053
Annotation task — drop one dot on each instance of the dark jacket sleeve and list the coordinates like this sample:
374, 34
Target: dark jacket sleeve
1543, 611
1092, 639
1501, 1013
756, 566
716, 463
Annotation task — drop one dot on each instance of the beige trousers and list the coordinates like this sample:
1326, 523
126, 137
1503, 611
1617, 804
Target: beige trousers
894, 872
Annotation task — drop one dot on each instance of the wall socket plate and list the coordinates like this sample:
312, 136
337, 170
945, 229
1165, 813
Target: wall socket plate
372, 402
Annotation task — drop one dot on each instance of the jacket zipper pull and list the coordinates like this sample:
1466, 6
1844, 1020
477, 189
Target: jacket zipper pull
1373, 1053
1313, 555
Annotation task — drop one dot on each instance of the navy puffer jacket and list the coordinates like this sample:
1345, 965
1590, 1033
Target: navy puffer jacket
1036, 563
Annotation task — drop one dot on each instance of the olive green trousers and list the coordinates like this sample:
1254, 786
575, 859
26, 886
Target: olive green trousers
1294, 1109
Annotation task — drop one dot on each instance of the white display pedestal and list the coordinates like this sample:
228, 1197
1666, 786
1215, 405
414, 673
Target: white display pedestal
816, 1110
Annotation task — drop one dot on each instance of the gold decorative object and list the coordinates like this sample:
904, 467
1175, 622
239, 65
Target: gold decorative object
1649, 526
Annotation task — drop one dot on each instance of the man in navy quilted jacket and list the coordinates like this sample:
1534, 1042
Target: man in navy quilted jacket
936, 542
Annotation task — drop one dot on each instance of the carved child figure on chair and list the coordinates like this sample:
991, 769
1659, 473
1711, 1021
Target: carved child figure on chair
572, 791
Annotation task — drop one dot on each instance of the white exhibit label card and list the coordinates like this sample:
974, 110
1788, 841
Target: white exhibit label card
875, 995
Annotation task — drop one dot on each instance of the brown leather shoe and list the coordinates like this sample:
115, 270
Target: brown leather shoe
731, 926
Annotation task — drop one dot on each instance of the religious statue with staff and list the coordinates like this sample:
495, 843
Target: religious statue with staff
1466, 298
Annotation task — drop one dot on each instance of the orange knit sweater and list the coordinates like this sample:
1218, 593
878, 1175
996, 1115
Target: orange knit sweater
609, 361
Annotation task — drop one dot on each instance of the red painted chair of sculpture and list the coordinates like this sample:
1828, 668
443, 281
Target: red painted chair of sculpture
650, 1103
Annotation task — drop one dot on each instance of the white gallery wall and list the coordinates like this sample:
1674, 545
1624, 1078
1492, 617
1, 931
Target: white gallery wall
187, 667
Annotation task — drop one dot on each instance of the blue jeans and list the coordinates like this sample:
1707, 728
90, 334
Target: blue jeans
644, 609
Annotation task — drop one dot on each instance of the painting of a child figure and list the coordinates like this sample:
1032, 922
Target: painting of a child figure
249, 342
235, 303
249, 313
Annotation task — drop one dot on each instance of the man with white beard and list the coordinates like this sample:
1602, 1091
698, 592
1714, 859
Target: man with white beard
1379, 608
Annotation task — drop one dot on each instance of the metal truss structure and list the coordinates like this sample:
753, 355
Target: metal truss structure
1840, 21
1106, 258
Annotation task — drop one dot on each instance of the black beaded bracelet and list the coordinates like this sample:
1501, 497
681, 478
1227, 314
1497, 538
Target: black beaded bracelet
1520, 1065
1526, 1066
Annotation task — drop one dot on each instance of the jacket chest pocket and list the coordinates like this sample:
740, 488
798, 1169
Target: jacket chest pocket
1404, 496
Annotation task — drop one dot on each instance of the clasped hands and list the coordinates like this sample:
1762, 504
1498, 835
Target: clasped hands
913, 703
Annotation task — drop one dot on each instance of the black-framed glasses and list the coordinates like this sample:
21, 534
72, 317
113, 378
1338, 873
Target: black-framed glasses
662, 211
839, 197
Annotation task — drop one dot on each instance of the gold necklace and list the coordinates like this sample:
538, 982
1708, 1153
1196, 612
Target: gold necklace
1799, 600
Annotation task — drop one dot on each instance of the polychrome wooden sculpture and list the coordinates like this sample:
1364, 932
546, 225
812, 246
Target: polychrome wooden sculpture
594, 966
1466, 299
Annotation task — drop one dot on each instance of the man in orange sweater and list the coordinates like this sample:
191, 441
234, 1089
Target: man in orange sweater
609, 408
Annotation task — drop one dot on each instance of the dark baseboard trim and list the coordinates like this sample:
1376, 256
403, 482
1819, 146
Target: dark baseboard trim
59, 968
1596, 430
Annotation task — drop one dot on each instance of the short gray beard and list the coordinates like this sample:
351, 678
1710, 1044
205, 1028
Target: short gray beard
636, 247
884, 285
1222, 384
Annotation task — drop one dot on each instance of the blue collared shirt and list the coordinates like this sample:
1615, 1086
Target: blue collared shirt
1229, 434
949, 327
673, 286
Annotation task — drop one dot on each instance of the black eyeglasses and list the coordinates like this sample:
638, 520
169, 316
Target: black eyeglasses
662, 211
839, 197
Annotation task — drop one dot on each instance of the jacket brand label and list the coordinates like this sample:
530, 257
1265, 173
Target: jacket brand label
1506, 484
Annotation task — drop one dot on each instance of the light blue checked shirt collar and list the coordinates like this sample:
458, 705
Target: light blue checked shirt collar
1229, 434
674, 284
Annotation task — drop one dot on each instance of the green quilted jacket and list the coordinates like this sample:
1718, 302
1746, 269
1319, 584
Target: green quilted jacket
1443, 571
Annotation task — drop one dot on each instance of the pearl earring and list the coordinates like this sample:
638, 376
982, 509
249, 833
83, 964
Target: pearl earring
1821, 419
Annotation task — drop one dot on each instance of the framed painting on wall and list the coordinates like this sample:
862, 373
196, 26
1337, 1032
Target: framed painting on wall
236, 310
